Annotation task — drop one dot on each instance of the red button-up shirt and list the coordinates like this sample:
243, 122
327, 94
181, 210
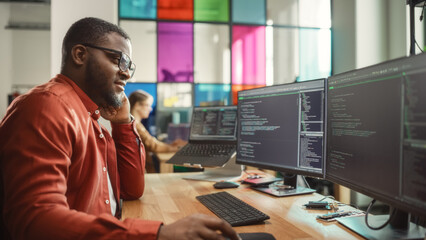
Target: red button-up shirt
54, 159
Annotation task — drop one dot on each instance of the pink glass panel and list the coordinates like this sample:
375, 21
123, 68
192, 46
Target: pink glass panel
175, 52
248, 55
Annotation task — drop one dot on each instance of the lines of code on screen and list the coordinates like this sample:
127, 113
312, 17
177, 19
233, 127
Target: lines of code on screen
376, 130
282, 127
214, 123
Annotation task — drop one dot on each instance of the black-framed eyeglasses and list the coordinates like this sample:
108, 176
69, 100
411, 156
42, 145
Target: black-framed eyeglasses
124, 64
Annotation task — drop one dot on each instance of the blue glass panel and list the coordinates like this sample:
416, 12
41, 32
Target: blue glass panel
138, 9
248, 11
150, 88
315, 53
212, 94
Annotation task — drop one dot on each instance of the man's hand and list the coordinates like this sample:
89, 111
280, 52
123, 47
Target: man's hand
197, 227
117, 115
179, 142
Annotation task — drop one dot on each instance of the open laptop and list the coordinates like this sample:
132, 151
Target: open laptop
212, 139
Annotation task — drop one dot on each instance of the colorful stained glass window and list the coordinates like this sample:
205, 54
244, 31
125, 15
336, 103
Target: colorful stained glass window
248, 11
175, 9
282, 49
212, 57
174, 95
211, 10
138, 9
212, 94
150, 88
283, 12
175, 52
144, 48
190, 60
299, 13
315, 13
248, 55
236, 88
315, 53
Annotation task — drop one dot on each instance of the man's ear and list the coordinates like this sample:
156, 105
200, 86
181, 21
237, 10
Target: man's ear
79, 54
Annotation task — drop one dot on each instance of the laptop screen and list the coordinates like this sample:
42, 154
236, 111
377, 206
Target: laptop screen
214, 123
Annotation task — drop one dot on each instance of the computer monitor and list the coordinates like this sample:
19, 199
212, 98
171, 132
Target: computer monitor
376, 136
281, 128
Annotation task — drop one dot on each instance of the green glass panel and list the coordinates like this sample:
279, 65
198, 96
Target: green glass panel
211, 10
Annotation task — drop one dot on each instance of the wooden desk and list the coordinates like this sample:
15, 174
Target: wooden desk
168, 198
163, 158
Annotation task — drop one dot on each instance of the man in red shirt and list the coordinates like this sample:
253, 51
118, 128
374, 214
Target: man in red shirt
62, 174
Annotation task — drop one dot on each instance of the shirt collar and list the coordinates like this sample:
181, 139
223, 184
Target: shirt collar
92, 108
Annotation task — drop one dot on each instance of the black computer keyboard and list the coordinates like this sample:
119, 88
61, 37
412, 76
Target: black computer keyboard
232, 209
214, 150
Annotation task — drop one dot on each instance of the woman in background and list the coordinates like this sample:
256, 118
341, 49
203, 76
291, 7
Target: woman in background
140, 107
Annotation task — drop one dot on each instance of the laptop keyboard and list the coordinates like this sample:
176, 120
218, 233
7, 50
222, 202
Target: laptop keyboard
211, 150
231, 209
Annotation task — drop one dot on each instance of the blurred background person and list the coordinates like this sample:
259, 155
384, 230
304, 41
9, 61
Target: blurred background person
140, 107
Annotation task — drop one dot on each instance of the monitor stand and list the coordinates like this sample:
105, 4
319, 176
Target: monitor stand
394, 230
288, 187
229, 171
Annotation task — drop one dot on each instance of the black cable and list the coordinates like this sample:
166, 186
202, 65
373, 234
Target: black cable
418, 46
306, 182
331, 197
380, 227
421, 16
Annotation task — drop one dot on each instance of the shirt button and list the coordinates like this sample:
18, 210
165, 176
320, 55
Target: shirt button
97, 111
107, 201
104, 169
101, 135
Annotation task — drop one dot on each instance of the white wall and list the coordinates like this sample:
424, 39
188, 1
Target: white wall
25, 54
65, 12
343, 32
418, 29
397, 29
371, 32
368, 32
31, 57
5, 58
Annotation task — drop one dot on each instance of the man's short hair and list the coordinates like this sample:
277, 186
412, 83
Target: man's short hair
89, 31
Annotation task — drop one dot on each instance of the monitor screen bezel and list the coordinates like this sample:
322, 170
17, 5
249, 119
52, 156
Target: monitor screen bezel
281, 168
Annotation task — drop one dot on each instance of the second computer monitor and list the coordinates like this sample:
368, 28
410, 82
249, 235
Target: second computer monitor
376, 141
281, 128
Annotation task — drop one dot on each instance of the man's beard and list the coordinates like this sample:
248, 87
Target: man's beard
97, 85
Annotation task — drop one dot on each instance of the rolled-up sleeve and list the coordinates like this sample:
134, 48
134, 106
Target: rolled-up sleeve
130, 160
